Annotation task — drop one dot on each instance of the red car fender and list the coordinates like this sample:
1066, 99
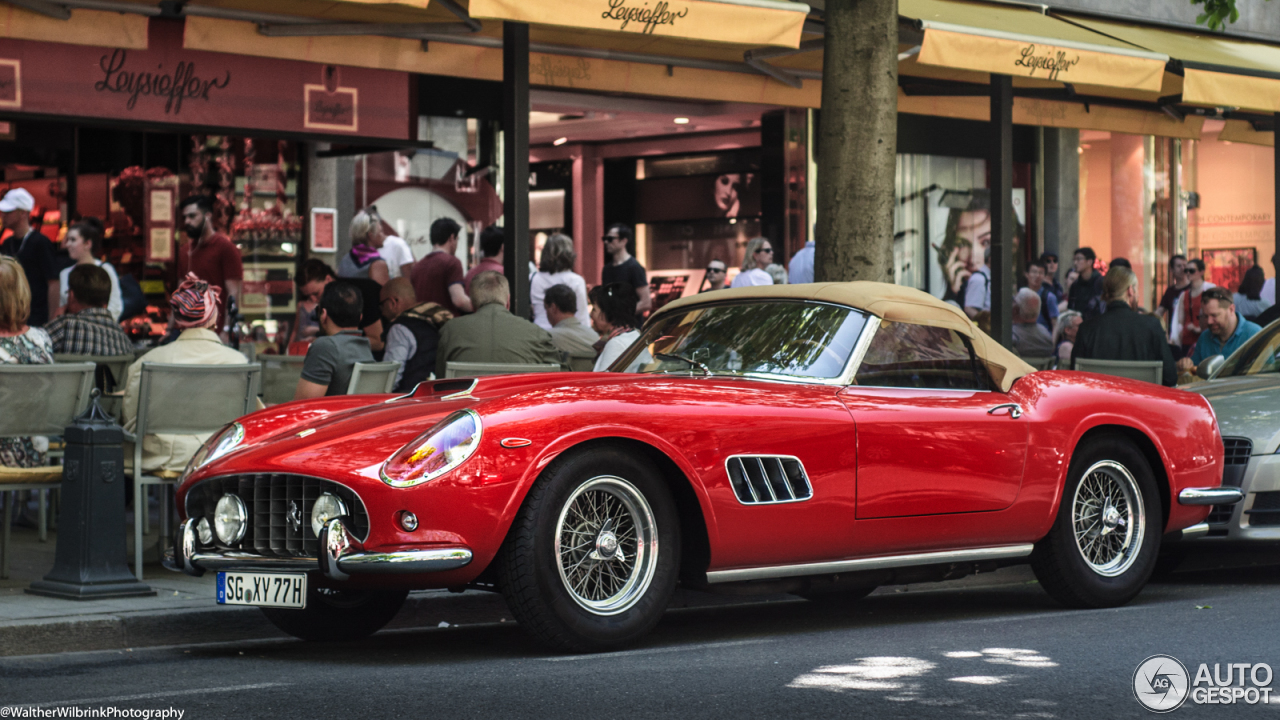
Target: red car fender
573, 439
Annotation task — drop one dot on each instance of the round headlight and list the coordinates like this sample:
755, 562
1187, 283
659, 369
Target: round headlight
435, 452
218, 444
204, 532
230, 519
328, 506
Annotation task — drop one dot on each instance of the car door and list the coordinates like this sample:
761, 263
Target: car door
933, 437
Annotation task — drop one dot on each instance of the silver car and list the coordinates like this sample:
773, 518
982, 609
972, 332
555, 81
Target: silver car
1245, 395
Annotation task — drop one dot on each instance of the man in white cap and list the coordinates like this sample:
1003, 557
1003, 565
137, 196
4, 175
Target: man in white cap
34, 251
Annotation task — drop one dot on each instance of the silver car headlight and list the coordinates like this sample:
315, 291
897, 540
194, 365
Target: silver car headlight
230, 519
435, 452
328, 506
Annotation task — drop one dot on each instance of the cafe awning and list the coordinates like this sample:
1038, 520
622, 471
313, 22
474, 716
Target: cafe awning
745, 22
1022, 41
1217, 71
75, 26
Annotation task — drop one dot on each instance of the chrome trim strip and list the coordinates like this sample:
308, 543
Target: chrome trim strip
242, 561
186, 548
406, 561
860, 349
1210, 496
462, 393
874, 563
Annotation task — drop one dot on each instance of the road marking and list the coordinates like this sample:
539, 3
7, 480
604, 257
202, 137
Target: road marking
151, 696
1061, 613
655, 651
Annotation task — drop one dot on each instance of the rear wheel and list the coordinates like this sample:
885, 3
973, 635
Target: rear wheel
1104, 542
593, 556
338, 614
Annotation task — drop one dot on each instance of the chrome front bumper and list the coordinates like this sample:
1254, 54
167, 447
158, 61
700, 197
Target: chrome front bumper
1210, 496
341, 556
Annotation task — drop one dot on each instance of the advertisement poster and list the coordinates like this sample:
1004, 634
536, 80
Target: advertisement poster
1225, 267
959, 234
324, 230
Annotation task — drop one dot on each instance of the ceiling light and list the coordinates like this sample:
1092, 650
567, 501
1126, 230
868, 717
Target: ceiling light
560, 141
681, 121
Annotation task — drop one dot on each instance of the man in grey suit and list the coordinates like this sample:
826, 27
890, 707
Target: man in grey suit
568, 334
492, 334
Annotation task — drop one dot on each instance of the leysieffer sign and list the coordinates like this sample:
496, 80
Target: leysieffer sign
649, 17
182, 84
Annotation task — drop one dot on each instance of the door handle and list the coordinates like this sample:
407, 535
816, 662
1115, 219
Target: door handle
1015, 410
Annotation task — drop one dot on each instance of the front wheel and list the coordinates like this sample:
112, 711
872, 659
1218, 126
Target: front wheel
593, 556
1104, 542
338, 614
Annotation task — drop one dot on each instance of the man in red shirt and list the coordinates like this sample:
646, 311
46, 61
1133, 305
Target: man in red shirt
209, 254
438, 277
492, 239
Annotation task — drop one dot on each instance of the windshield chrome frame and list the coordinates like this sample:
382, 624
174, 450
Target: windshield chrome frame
844, 378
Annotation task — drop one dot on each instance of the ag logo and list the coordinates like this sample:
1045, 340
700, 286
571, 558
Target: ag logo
1160, 683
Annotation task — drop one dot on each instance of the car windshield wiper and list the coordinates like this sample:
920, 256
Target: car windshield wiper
669, 356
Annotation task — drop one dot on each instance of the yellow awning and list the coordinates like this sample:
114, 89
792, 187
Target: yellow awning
1021, 41
1242, 132
1054, 113
743, 22
84, 27
1219, 71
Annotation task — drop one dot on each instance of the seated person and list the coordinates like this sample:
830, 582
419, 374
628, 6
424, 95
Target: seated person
492, 334
327, 369
312, 279
567, 331
193, 310
613, 316
1030, 338
414, 332
87, 328
1123, 333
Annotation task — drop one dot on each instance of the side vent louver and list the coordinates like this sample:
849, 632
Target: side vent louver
768, 479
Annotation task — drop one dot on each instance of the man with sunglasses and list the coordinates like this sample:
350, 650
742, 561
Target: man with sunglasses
715, 277
623, 268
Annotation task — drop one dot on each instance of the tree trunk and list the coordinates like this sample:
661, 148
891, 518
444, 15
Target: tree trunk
858, 142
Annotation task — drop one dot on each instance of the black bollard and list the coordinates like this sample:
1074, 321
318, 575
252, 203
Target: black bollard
92, 560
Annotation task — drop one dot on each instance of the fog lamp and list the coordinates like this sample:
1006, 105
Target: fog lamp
328, 506
230, 519
408, 521
204, 532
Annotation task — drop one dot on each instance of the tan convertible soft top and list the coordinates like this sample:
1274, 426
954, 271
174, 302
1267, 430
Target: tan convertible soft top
894, 303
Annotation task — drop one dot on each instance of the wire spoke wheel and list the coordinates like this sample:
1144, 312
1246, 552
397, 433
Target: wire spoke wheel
1108, 518
606, 545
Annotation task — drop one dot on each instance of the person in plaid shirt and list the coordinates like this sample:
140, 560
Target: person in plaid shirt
87, 328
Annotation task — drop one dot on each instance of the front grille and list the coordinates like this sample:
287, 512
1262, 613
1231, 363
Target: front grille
1265, 510
1235, 456
268, 498
768, 479
1236, 451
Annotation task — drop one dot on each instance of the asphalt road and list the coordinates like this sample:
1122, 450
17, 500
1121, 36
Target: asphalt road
993, 651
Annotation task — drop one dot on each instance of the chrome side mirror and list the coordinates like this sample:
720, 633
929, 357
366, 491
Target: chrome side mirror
1210, 366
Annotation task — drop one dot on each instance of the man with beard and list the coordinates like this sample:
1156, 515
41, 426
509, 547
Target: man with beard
209, 254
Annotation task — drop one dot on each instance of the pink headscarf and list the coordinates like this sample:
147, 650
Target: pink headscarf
194, 303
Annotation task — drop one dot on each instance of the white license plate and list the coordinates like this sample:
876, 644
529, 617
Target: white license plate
262, 589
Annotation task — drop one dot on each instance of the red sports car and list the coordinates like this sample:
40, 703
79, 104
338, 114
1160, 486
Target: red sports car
819, 439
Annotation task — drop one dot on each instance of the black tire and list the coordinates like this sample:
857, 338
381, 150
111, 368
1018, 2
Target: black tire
530, 569
1059, 561
334, 615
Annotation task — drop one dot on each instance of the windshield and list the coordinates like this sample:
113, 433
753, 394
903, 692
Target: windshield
778, 338
1256, 356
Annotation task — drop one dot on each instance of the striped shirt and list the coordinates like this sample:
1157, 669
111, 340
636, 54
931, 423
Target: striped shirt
88, 332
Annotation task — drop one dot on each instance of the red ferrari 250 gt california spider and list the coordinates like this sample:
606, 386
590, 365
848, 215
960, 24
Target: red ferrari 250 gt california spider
819, 439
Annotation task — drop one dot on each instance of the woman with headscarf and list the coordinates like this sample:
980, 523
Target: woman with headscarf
364, 260
194, 311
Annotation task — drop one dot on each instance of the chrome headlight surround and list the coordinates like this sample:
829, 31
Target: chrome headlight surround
435, 452
218, 444
230, 519
327, 507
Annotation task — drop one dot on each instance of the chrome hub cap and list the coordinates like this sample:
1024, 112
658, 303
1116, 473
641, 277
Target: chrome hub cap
1108, 518
606, 545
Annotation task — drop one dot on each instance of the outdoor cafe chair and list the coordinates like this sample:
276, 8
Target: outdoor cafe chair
373, 378
280, 375
183, 400
455, 369
37, 400
1147, 370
